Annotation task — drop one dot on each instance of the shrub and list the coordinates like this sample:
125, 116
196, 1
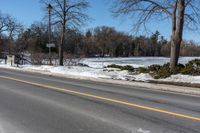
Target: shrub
114, 66
127, 67
178, 69
195, 63
160, 71
164, 71
142, 70
192, 68
167, 65
153, 68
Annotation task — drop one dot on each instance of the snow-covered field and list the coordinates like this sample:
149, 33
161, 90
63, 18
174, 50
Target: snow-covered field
133, 61
97, 69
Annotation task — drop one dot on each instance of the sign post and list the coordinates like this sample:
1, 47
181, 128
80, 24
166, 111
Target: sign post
10, 60
50, 45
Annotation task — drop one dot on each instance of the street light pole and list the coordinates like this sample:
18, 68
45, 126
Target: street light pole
49, 30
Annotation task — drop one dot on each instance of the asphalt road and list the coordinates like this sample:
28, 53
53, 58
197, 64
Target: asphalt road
34, 103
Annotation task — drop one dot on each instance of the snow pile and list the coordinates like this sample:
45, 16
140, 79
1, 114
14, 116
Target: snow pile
125, 75
83, 72
182, 79
140, 130
80, 71
77, 71
68, 71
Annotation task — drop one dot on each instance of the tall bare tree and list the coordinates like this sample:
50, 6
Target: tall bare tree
68, 14
13, 29
3, 20
182, 13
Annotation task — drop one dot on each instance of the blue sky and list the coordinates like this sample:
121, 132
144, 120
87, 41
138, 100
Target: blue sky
29, 11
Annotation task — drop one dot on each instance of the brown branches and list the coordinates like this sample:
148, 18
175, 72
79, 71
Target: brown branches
68, 14
182, 13
9, 26
143, 11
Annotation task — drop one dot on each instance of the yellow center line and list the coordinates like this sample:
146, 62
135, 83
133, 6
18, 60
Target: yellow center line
104, 98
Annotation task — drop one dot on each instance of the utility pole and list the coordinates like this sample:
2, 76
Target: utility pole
49, 30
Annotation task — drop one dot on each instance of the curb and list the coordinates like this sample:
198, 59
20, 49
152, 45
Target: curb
183, 84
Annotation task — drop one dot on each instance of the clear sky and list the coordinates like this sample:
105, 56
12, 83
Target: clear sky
28, 11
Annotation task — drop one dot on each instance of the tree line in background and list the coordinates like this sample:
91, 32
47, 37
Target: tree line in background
98, 42
67, 16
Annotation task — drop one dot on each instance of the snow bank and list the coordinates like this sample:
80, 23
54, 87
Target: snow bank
96, 69
106, 73
87, 72
182, 78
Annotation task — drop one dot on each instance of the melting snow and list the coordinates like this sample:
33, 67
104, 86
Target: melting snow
96, 69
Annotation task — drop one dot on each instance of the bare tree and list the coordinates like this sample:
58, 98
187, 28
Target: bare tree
13, 28
68, 14
3, 20
182, 13
103, 36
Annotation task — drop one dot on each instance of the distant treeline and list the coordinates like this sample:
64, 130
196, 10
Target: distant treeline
98, 42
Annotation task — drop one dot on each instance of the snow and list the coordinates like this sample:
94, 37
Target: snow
140, 130
87, 72
183, 78
2, 61
133, 61
97, 69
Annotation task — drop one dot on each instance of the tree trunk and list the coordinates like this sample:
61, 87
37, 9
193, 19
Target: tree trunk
177, 32
61, 49
63, 35
175, 50
9, 47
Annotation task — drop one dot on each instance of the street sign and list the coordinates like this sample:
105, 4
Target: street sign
50, 45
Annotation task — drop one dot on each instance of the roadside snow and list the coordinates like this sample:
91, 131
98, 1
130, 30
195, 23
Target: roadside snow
96, 69
87, 72
182, 78
2, 61
140, 130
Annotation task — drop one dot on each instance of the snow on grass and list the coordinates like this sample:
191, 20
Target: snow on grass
88, 72
97, 69
133, 61
78, 71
